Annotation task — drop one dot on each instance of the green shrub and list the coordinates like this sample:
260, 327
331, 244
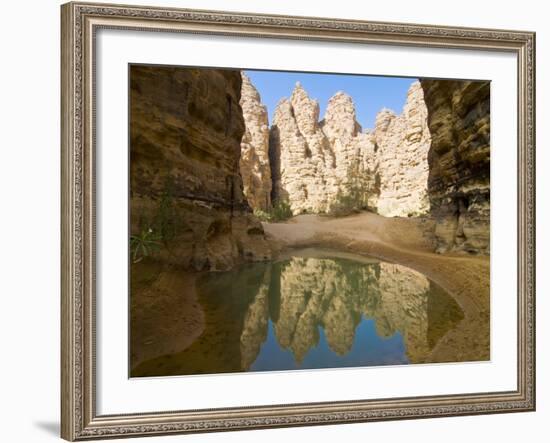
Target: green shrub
158, 227
262, 215
166, 221
279, 212
344, 204
355, 196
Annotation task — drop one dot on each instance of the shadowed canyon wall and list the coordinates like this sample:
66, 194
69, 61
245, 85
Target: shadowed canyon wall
459, 180
186, 190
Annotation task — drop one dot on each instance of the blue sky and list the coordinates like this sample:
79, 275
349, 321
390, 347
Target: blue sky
370, 93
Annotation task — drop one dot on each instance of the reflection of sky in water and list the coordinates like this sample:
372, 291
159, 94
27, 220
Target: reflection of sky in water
368, 349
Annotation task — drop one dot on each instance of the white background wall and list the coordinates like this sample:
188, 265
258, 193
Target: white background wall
29, 221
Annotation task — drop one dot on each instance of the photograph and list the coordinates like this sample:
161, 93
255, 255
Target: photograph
284, 220
283, 217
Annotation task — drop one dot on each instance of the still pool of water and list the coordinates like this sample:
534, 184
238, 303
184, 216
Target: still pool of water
313, 309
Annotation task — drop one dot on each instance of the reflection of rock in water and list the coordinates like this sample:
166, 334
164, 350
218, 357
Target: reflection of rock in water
334, 295
306, 298
226, 299
315, 292
403, 296
255, 324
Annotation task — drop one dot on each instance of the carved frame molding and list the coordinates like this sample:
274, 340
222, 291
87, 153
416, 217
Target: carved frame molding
80, 21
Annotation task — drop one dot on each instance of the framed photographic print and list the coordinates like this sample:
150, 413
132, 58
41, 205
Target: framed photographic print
280, 221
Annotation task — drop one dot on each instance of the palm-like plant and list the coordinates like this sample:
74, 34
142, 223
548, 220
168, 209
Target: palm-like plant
144, 244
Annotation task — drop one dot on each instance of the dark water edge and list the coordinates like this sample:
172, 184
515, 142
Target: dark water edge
314, 309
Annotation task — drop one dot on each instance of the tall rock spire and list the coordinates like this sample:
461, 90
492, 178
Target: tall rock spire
254, 161
316, 163
403, 142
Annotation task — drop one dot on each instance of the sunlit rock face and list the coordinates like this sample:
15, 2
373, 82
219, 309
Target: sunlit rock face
459, 162
315, 162
317, 166
254, 162
432, 158
186, 128
300, 154
354, 153
402, 145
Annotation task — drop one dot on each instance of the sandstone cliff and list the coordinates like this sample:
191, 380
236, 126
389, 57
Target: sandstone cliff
186, 127
315, 163
318, 166
254, 162
459, 177
402, 145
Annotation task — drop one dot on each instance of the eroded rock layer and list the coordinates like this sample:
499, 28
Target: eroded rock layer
186, 127
459, 177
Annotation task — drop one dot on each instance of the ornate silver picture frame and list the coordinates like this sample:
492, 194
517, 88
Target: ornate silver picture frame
80, 23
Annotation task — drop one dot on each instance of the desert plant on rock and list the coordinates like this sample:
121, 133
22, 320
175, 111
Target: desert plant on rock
144, 244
